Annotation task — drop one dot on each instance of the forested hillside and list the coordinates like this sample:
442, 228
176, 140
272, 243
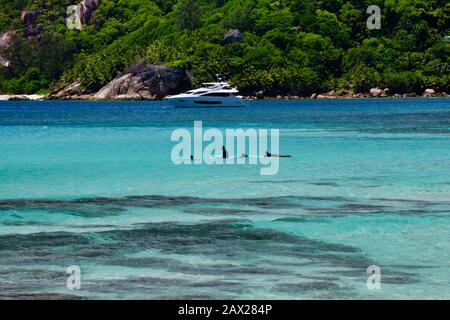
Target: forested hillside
287, 46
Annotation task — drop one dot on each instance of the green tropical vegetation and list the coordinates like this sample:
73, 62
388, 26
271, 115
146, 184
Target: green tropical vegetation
288, 46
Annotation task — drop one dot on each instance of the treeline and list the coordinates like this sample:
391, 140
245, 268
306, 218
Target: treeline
288, 46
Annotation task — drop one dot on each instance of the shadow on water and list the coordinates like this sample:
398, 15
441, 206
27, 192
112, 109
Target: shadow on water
230, 255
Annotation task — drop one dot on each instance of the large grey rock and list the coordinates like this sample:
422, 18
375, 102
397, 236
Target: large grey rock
6, 38
376, 92
18, 98
260, 94
87, 9
429, 93
231, 36
329, 95
4, 62
73, 91
326, 96
385, 93
30, 26
149, 82
5, 43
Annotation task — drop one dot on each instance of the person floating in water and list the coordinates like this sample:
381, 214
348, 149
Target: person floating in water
273, 155
192, 157
224, 153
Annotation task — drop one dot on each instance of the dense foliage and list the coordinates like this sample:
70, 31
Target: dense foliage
288, 46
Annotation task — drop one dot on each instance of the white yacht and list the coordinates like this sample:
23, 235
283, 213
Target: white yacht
211, 94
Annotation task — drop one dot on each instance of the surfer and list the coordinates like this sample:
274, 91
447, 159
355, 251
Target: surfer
273, 155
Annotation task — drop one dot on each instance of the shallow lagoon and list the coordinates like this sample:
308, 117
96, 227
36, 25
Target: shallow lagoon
92, 184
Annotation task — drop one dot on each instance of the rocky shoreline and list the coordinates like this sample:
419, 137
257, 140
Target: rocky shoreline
105, 95
342, 94
142, 81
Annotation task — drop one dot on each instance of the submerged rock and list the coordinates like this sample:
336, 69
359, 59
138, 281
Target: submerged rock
149, 82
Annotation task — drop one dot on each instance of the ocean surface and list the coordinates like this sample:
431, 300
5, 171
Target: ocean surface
92, 184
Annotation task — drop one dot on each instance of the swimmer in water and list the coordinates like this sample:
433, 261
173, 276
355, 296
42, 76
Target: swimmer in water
270, 155
224, 153
192, 157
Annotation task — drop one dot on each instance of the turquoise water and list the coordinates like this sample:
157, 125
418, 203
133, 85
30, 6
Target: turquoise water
92, 184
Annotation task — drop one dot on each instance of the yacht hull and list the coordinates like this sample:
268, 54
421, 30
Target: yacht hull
181, 101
